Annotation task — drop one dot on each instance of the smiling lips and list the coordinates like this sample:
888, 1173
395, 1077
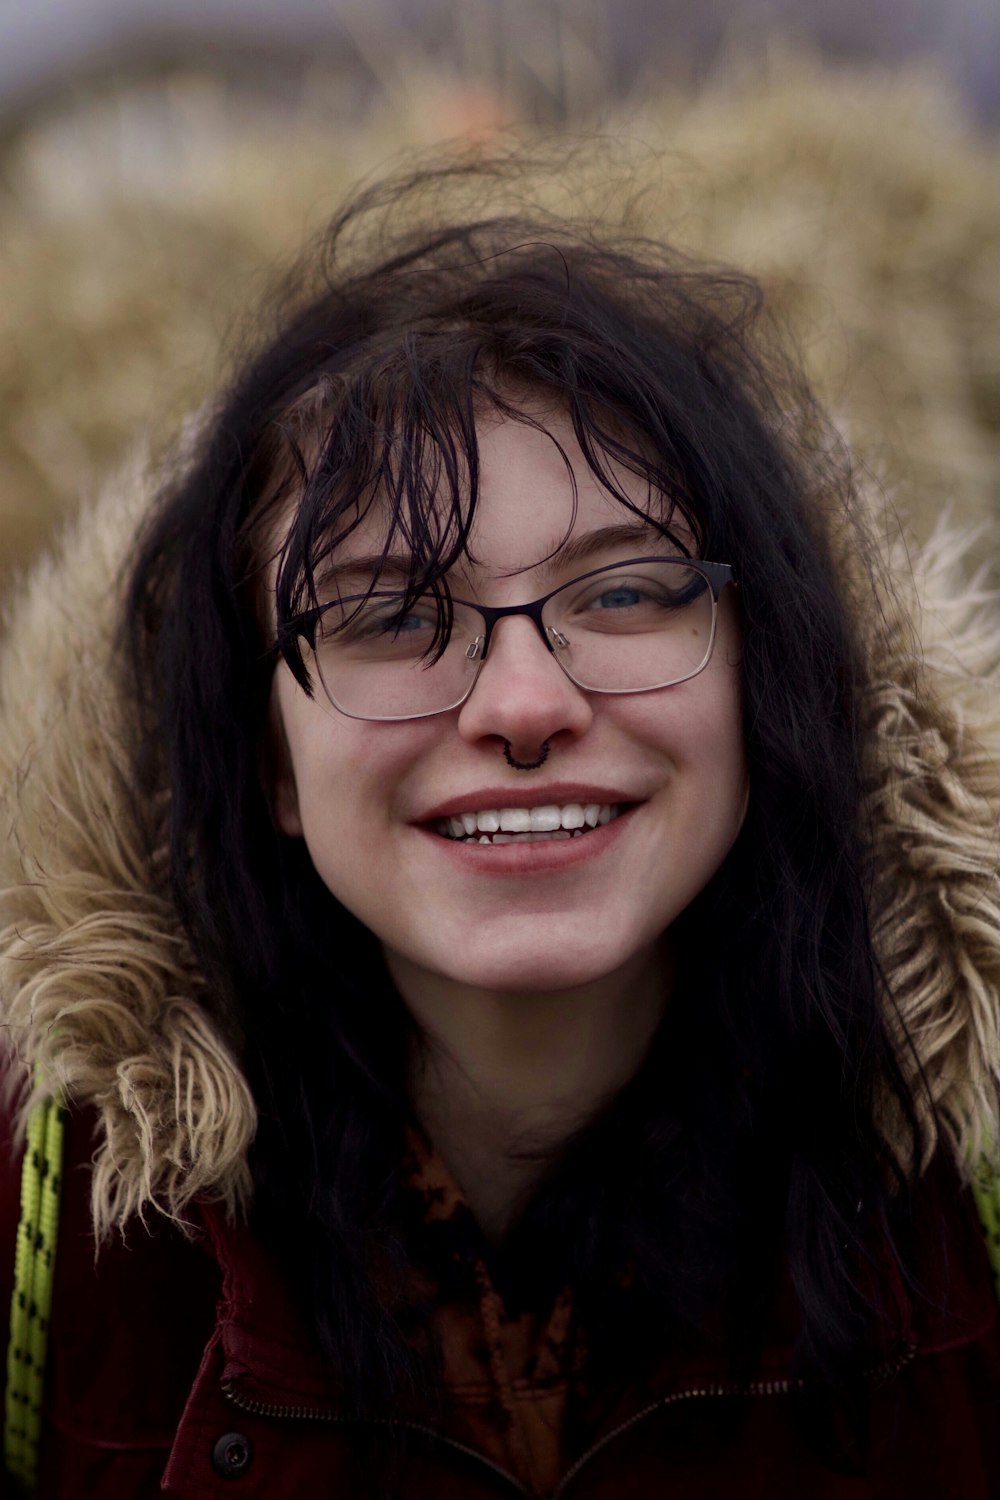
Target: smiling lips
511, 825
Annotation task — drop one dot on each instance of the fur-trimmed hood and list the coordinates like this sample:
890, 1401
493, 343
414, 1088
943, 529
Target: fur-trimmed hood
99, 995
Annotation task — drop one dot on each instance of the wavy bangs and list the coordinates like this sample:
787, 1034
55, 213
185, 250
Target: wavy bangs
391, 446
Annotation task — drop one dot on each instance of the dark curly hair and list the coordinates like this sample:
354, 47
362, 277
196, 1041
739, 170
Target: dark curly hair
752, 1131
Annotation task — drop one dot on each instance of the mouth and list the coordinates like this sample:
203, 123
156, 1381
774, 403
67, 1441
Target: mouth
524, 825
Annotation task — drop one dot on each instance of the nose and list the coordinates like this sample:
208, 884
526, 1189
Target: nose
522, 694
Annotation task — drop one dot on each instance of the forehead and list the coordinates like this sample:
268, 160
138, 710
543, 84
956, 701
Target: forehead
539, 497
539, 506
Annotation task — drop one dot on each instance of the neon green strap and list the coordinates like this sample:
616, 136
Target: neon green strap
31, 1303
986, 1191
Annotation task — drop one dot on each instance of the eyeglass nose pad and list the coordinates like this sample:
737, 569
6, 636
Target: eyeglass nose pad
558, 640
474, 649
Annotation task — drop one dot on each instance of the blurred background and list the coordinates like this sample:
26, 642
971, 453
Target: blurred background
158, 158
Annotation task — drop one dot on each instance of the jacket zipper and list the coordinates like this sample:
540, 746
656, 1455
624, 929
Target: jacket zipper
761, 1388
256, 1408
783, 1387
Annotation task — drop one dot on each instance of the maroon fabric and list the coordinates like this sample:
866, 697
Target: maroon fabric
128, 1329
148, 1340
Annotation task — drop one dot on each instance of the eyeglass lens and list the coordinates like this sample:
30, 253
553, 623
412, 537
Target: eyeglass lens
635, 626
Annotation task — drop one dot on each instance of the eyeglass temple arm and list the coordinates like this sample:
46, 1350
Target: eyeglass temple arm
718, 575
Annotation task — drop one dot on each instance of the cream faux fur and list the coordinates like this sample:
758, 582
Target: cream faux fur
98, 992
934, 797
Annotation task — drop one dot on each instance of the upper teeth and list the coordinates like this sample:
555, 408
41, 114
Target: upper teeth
527, 819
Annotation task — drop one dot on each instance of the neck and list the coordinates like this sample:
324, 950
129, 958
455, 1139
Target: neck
502, 1080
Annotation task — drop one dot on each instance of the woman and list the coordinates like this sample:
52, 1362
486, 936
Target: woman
508, 910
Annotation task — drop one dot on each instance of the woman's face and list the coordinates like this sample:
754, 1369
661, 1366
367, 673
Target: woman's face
538, 915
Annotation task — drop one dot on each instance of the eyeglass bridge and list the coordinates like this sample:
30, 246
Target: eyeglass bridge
556, 640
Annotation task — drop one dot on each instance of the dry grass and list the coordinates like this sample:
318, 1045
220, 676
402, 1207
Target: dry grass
137, 227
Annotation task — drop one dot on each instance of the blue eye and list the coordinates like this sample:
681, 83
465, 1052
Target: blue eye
386, 625
376, 623
618, 598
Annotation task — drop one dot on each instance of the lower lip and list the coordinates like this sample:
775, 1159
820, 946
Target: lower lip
534, 858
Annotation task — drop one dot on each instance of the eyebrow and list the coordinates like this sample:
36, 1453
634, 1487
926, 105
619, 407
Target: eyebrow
393, 566
583, 548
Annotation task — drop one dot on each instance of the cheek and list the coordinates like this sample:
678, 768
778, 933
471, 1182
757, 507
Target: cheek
713, 786
699, 729
305, 758
327, 798
338, 782
698, 723
721, 704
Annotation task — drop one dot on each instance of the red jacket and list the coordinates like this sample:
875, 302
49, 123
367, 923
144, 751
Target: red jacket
183, 1365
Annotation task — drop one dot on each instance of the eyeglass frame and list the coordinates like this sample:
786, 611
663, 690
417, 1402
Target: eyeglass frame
717, 576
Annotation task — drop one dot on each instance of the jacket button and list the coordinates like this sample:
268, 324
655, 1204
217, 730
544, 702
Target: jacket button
231, 1455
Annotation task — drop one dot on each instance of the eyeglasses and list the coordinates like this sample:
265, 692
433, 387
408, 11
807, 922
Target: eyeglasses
628, 627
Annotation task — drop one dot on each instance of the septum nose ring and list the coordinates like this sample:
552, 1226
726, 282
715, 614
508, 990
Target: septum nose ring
525, 765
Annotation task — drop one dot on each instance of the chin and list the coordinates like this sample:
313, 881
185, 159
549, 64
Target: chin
533, 974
